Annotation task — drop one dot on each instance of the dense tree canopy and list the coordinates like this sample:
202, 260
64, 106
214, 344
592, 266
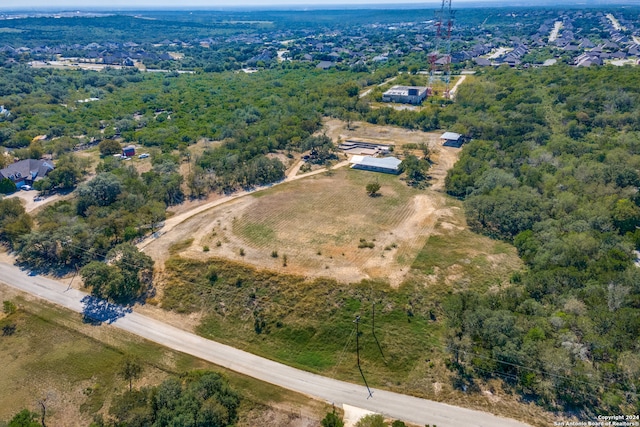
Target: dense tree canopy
201, 398
554, 168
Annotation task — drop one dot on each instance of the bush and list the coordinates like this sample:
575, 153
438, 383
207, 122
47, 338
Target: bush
373, 420
9, 307
364, 244
7, 186
109, 147
331, 420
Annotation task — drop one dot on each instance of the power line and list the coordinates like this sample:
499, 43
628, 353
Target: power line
357, 321
446, 348
373, 330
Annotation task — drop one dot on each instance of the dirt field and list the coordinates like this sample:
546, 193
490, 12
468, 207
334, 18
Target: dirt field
318, 221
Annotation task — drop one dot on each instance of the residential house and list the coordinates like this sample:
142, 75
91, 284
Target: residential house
26, 172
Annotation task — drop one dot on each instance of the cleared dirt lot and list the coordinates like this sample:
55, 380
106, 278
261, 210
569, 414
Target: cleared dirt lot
318, 221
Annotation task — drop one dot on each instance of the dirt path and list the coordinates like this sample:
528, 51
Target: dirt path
368, 91
29, 201
215, 227
453, 90
171, 223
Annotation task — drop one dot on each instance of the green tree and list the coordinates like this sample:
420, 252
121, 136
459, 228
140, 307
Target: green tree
332, 420
109, 147
7, 186
415, 170
124, 277
24, 418
373, 420
625, 215
131, 370
101, 191
14, 221
200, 398
372, 188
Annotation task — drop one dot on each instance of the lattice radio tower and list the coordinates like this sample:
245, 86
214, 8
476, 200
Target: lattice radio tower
440, 57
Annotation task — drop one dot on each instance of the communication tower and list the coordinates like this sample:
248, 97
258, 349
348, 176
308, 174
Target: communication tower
440, 57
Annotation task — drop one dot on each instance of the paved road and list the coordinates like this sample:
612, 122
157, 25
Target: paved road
394, 405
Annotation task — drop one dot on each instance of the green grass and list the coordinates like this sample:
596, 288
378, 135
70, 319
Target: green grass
307, 324
310, 323
180, 246
466, 261
256, 233
52, 353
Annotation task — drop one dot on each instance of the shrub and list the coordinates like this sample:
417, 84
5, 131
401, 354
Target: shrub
364, 244
7, 186
9, 307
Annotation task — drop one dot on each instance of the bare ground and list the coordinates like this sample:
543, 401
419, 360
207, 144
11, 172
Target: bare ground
313, 223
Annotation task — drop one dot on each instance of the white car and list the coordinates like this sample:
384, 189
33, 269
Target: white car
143, 156
26, 187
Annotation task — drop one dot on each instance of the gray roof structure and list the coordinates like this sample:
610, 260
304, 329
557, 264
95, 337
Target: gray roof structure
30, 170
450, 136
376, 164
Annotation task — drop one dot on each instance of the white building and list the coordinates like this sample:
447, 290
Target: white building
405, 94
375, 164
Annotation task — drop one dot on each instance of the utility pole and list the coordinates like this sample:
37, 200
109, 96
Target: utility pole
357, 322
74, 276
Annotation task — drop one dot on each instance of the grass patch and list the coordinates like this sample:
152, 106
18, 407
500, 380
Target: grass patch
304, 323
259, 234
53, 353
180, 246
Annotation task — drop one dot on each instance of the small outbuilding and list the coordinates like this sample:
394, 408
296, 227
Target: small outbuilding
375, 164
129, 151
451, 139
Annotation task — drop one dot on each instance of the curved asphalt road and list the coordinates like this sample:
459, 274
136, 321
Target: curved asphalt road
394, 405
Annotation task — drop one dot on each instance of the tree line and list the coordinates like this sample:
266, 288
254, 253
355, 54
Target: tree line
553, 168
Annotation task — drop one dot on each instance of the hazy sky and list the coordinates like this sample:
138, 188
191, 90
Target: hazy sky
114, 4
297, 4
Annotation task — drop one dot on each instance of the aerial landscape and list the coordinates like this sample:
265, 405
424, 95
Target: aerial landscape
362, 215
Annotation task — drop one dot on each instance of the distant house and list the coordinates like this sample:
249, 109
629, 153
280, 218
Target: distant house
405, 94
325, 65
482, 62
26, 172
129, 151
375, 164
451, 139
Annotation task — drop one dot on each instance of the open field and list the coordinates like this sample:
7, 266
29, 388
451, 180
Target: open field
320, 221
54, 355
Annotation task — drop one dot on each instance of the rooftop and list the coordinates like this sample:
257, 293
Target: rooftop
452, 136
404, 90
383, 162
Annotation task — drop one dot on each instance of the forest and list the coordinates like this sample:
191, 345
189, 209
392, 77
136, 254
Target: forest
554, 168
